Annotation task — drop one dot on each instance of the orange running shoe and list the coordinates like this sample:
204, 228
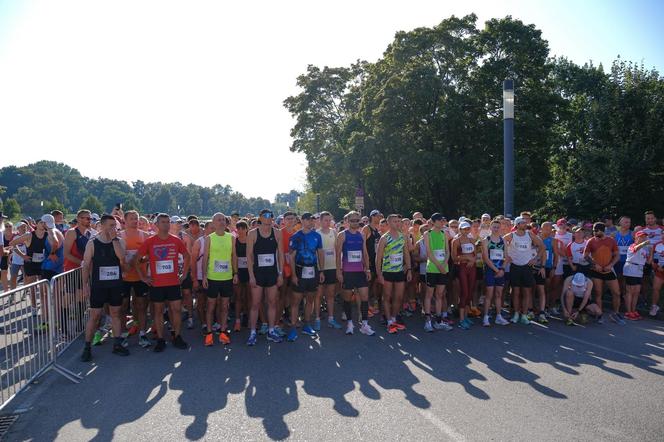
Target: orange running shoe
392, 328
209, 340
224, 338
399, 326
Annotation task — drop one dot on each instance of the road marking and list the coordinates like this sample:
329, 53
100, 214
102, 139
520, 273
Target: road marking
591, 344
442, 426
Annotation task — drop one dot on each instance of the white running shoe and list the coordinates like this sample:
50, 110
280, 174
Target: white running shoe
367, 330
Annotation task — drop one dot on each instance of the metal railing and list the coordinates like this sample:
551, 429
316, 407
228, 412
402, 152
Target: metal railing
38, 322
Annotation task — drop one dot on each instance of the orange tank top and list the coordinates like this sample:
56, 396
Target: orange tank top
133, 243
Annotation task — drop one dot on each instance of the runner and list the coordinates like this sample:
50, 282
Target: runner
285, 290
657, 259
523, 248
464, 256
638, 255
543, 285
575, 252
602, 252
437, 252
306, 252
493, 254
133, 288
196, 270
219, 274
264, 259
624, 238
18, 255
162, 251
329, 283
241, 289
371, 234
392, 260
6, 235
190, 236
354, 271
576, 298
104, 263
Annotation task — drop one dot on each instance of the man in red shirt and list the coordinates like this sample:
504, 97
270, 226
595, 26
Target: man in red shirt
162, 251
602, 253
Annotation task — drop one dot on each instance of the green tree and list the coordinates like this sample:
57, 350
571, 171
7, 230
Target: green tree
92, 204
11, 208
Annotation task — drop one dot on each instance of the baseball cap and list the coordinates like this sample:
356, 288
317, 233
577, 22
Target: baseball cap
464, 225
572, 221
579, 280
306, 215
175, 219
437, 217
577, 229
561, 222
463, 219
94, 217
518, 220
266, 213
486, 215
48, 220
599, 227
19, 224
374, 212
641, 233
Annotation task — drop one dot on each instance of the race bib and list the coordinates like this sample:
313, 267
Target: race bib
37, 257
329, 253
439, 255
623, 249
221, 266
129, 254
547, 255
163, 267
308, 272
109, 273
355, 256
467, 248
266, 260
522, 246
396, 260
242, 262
496, 254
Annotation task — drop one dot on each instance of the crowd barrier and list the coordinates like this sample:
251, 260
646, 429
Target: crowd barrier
38, 322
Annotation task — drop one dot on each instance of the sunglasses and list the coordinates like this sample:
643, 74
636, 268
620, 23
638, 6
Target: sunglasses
353, 220
267, 215
86, 217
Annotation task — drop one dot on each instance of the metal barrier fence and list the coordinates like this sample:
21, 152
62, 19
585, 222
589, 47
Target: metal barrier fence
38, 322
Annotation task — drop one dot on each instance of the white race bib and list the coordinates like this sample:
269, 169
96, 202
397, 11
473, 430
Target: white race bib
37, 257
547, 255
129, 254
163, 267
308, 272
522, 246
396, 259
266, 259
109, 273
439, 255
221, 266
496, 254
467, 248
623, 249
329, 253
355, 256
242, 262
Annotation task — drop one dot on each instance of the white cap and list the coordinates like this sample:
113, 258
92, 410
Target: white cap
518, 220
464, 225
48, 220
94, 217
486, 215
175, 219
462, 219
579, 280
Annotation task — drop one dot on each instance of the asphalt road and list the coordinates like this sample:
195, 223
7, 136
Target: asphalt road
517, 382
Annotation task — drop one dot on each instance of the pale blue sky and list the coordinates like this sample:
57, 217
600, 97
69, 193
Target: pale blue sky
102, 86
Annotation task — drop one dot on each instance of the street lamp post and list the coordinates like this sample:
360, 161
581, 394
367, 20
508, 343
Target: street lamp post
508, 147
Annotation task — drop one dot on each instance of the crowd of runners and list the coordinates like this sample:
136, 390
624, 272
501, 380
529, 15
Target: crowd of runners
150, 276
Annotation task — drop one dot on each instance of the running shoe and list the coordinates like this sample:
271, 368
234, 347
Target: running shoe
178, 342
125, 342
524, 320
120, 350
428, 327
274, 337
334, 324
501, 321
307, 330
569, 321
486, 322
263, 330
392, 328
159, 346
442, 326
87, 354
317, 325
343, 316
448, 321
515, 318
216, 327
350, 328
583, 318
617, 318
292, 336
367, 330
542, 319
280, 331
96, 340
224, 338
144, 342
638, 316
238, 326
463, 325
554, 311
654, 309
204, 328
468, 322
600, 319
190, 323
530, 316
252, 339
399, 325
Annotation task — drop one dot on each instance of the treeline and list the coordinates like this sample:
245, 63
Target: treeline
47, 185
421, 128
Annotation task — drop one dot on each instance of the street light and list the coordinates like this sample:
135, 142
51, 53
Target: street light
508, 147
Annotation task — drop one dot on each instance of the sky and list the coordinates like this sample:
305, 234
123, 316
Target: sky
163, 90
